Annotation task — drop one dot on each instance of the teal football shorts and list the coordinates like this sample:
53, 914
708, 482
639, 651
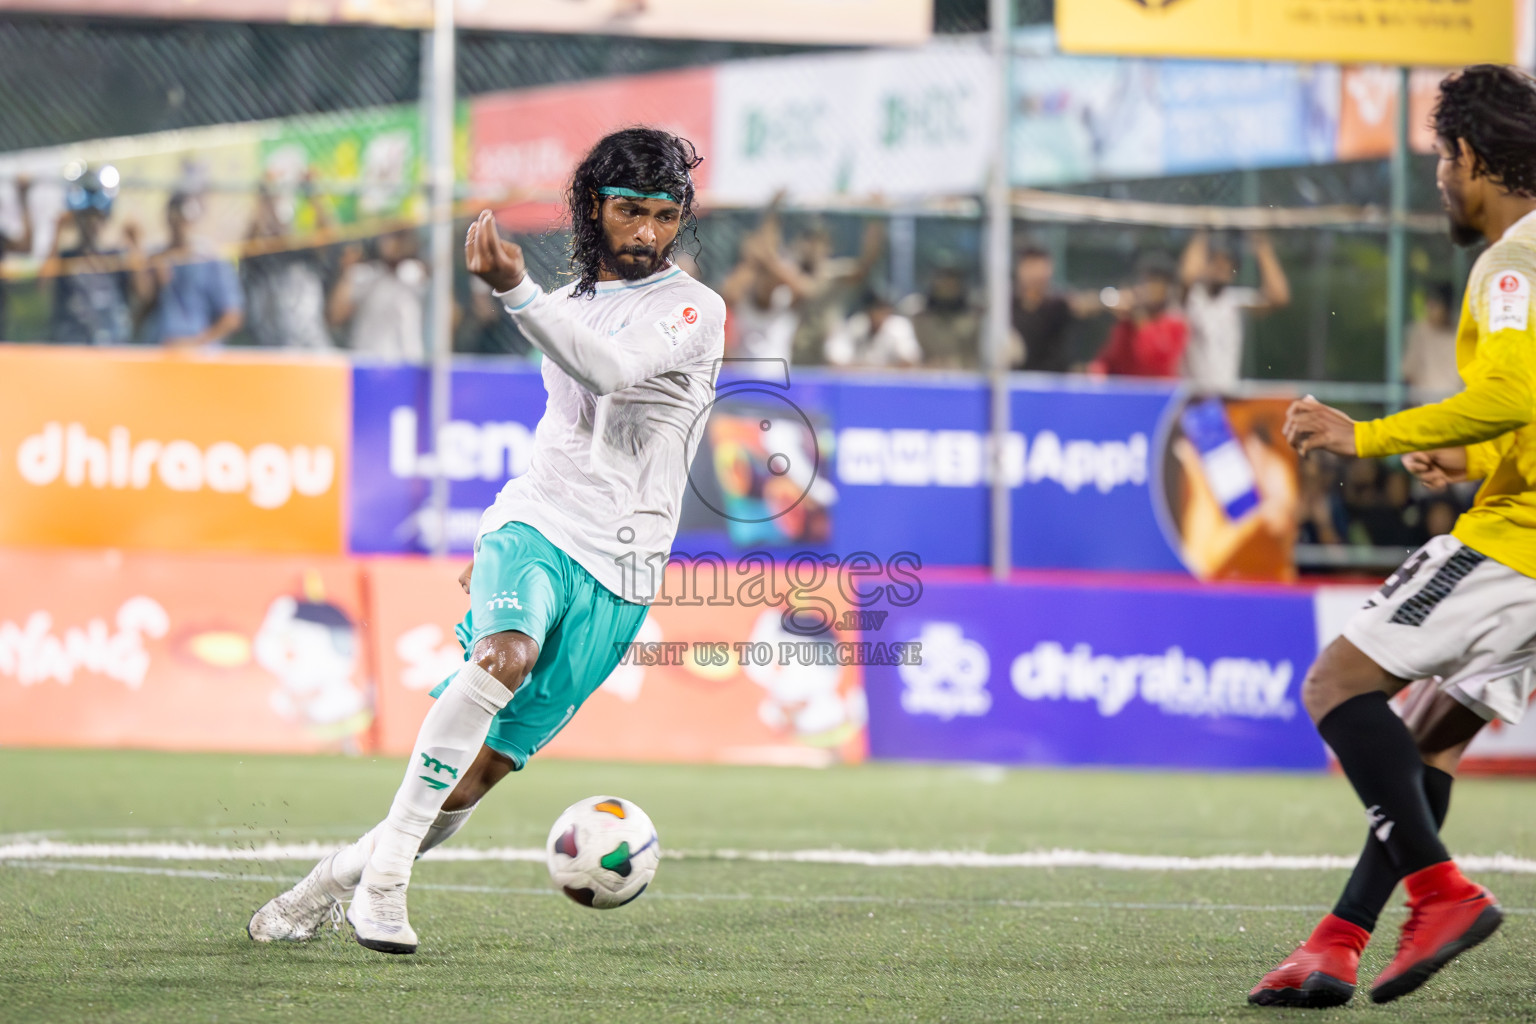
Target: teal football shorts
523, 582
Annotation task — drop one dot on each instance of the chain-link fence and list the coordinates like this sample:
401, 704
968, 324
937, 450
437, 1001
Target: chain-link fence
1228, 224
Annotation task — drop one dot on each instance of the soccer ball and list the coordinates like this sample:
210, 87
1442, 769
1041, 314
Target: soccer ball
602, 852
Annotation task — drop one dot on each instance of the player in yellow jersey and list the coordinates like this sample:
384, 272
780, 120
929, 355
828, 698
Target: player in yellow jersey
1462, 610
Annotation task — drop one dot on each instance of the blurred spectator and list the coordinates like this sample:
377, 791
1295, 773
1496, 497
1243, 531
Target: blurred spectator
487, 329
1321, 510
21, 242
788, 306
1440, 516
1042, 317
1361, 495
1148, 338
1380, 506
1429, 359
96, 288
830, 284
948, 326
284, 275
687, 263
1394, 520
197, 300
1214, 306
761, 293
875, 336
383, 300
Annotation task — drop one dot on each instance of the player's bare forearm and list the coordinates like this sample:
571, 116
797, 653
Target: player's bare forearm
491, 258
464, 576
1273, 286
1311, 426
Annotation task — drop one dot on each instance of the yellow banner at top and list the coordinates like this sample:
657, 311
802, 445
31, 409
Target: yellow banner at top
1446, 33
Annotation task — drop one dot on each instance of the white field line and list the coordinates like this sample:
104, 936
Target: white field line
46, 849
725, 897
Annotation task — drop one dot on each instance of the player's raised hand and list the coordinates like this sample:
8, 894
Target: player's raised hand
1312, 426
491, 258
1439, 468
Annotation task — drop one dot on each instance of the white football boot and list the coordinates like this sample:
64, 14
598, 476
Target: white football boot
377, 916
298, 914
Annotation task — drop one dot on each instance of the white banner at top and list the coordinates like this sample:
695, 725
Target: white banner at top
867, 22
854, 127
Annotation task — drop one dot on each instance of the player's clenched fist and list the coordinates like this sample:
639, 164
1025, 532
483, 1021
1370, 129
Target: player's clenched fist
1439, 468
488, 256
1312, 426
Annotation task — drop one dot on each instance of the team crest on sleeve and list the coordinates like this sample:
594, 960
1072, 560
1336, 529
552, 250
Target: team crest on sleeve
1509, 301
679, 324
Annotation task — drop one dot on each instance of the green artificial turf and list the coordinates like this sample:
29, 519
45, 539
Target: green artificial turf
719, 939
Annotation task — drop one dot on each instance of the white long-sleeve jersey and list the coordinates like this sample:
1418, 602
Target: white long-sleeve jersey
630, 374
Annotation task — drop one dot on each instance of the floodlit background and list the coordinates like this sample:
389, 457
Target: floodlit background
1043, 285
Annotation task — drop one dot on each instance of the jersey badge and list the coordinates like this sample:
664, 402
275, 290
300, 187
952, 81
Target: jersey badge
679, 324
1509, 301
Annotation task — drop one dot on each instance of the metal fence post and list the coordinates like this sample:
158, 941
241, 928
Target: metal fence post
1397, 250
999, 273
438, 47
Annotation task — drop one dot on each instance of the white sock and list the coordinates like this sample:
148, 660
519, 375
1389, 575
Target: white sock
450, 737
348, 866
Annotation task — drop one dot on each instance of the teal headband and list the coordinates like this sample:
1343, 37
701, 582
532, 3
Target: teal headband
629, 193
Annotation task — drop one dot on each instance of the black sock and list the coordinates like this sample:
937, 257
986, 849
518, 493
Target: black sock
1382, 762
1371, 884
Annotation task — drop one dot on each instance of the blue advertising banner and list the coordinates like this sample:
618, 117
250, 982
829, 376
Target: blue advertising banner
1084, 496
892, 464
1076, 119
1069, 675
1221, 115
488, 440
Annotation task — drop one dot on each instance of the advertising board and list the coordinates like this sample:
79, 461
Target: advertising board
144, 449
1132, 676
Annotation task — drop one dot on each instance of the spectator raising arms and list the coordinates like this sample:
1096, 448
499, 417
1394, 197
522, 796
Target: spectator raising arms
197, 302
833, 284
762, 293
96, 289
790, 307
1214, 306
1148, 338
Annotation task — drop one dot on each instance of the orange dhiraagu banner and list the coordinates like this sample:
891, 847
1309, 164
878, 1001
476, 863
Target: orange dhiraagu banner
182, 652
163, 451
781, 712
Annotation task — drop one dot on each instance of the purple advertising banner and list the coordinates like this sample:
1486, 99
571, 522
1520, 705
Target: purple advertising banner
1171, 677
487, 439
888, 464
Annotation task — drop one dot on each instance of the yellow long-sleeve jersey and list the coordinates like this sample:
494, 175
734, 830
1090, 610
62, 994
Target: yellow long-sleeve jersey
1494, 417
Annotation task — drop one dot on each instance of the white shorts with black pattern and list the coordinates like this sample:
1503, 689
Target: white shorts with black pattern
1455, 615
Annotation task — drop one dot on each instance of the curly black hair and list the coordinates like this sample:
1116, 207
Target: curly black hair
642, 159
1492, 107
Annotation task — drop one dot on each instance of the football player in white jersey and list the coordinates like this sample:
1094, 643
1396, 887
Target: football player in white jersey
567, 558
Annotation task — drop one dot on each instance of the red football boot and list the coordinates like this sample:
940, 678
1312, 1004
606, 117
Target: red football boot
1320, 973
1447, 915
